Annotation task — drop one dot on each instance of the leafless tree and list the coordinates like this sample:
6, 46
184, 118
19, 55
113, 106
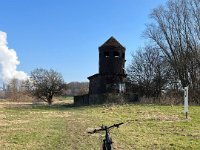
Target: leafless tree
15, 90
45, 84
176, 32
12, 90
148, 71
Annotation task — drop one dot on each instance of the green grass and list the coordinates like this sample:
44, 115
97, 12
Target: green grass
61, 127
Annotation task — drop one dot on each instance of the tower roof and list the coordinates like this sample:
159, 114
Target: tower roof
112, 42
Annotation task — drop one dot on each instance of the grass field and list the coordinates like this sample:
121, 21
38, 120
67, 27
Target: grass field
63, 127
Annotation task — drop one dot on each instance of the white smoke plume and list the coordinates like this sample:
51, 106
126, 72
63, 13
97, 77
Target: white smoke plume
9, 62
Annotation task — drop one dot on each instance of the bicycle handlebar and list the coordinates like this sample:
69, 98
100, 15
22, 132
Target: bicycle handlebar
115, 125
105, 128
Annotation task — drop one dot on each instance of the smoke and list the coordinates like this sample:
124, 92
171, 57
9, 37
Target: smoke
9, 62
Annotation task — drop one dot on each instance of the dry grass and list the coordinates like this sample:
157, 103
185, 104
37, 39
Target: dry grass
34, 127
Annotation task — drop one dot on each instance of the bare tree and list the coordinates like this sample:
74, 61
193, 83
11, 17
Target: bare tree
148, 71
15, 91
12, 90
45, 84
176, 32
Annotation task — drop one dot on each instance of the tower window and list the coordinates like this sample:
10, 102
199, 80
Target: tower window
106, 54
116, 54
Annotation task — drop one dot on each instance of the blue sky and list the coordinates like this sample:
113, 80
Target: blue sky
65, 34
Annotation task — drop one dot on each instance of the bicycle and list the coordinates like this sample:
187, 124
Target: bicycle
107, 142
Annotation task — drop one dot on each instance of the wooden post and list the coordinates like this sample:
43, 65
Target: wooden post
186, 101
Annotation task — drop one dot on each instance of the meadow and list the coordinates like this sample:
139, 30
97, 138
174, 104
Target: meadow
64, 127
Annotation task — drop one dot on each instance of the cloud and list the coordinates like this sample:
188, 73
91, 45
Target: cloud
9, 61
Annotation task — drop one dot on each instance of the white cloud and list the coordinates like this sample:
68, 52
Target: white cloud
9, 61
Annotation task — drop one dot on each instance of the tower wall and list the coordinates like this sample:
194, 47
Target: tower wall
111, 60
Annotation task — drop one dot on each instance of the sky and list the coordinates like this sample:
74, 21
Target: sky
64, 35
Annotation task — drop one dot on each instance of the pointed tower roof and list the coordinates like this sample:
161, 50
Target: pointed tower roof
112, 42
